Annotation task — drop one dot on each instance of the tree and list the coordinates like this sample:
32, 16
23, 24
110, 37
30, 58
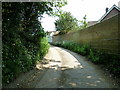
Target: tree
83, 24
66, 23
23, 37
56, 7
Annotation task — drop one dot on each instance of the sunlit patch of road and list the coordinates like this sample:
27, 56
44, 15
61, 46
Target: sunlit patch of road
62, 68
66, 69
59, 59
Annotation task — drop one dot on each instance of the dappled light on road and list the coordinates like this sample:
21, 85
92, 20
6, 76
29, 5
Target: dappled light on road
63, 68
73, 84
89, 76
59, 60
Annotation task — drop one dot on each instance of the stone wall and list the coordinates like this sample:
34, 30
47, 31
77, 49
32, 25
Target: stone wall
103, 36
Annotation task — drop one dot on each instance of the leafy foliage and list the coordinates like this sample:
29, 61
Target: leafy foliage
111, 61
56, 6
23, 37
66, 23
83, 23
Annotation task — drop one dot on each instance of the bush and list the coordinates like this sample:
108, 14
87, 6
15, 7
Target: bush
17, 58
22, 38
44, 46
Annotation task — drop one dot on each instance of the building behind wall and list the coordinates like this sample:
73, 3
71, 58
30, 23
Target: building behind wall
109, 13
113, 11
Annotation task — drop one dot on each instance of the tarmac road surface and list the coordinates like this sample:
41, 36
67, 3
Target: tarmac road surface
62, 68
67, 69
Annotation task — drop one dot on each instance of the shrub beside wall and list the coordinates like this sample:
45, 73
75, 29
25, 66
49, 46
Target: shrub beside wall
110, 61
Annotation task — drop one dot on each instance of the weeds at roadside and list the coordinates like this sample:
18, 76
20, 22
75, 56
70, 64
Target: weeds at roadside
98, 57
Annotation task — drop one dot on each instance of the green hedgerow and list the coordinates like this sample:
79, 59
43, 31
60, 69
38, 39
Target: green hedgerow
98, 57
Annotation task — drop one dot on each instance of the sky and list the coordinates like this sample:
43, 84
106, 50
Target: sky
94, 9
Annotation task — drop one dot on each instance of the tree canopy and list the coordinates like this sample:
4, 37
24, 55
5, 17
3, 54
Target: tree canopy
67, 23
24, 41
83, 23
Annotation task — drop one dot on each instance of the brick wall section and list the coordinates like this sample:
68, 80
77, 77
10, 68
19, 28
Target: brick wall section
103, 36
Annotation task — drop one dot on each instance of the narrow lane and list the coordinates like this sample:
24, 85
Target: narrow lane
66, 69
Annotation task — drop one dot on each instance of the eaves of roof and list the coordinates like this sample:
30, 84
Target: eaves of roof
114, 6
